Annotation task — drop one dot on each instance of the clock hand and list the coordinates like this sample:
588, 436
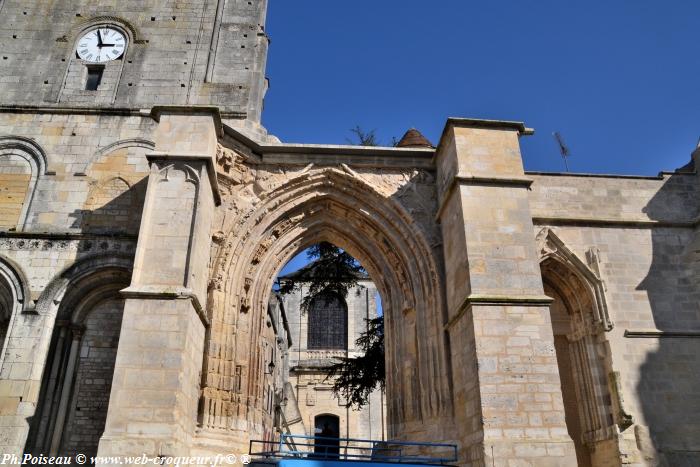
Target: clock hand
99, 39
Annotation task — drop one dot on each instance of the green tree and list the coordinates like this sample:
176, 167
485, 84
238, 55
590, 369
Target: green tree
331, 270
357, 377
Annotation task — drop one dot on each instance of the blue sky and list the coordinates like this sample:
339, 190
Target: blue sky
619, 79
300, 260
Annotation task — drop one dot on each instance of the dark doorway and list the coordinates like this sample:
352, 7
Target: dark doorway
327, 433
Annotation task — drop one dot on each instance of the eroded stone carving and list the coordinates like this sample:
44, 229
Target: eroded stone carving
266, 214
549, 245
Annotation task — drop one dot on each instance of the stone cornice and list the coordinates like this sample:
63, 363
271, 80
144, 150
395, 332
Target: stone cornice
518, 182
365, 155
506, 125
660, 176
160, 292
462, 122
159, 110
497, 300
607, 222
91, 110
65, 236
659, 334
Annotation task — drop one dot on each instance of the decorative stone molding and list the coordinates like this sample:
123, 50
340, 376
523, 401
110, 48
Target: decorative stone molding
549, 245
382, 217
14, 278
83, 244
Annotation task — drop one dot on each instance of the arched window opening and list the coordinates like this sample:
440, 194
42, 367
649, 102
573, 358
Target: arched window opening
22, 162
328, 322
96, 60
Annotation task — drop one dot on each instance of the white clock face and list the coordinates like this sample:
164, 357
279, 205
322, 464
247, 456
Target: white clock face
101, 45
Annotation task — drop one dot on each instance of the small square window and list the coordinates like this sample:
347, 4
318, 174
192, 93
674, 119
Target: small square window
94, 77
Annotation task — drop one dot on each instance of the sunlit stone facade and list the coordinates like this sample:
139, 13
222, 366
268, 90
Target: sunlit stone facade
532, 319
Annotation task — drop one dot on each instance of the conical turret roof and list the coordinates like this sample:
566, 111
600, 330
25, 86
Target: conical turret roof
414, 139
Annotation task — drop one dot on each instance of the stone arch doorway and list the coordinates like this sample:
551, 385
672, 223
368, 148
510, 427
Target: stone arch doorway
77, 378
327, 427
579, 322
328, 205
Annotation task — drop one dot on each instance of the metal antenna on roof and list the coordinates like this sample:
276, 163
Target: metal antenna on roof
562, 149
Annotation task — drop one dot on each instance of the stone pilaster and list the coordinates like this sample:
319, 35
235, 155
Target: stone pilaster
155, 391
508, 402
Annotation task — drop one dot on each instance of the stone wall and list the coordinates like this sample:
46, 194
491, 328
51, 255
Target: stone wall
470, 355
631, 238
93, 379
175, 54
76, 159
637, 234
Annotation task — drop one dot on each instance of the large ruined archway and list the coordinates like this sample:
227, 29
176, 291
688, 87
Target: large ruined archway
340, 208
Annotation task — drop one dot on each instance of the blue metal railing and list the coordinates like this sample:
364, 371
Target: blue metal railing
353, 449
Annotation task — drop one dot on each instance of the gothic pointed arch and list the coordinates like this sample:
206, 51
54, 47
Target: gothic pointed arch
580, 322
552, 247
339, 207
117, 175
112, 206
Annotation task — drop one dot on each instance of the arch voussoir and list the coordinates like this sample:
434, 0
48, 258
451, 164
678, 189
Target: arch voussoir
334, 206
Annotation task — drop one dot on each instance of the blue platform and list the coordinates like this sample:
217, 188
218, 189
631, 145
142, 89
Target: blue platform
328, 463
318, 451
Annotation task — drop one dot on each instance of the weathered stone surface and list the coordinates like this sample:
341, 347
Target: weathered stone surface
531, 318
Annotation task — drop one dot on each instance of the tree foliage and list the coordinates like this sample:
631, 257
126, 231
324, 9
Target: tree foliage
361, 137
354, 378
332, 271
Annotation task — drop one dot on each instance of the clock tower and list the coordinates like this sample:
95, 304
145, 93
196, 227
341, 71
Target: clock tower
112, 115
133, 55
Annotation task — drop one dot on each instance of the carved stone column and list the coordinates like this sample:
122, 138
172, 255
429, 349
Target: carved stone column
155, 390
508, 401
